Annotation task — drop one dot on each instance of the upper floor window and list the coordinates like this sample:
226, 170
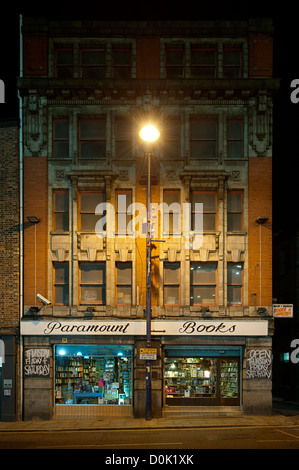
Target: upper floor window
61, 283
175, 60
203, 62
172, 134
203, 138
171, 212
64, 63
232, 62
124, 212
123, 138
203, 283
93, 283
124, 283
171, 283
235, 147
92, 138
88, 203
61, 138
208, 200
234, 211
61, 210
234, 283
121, 61
93, 63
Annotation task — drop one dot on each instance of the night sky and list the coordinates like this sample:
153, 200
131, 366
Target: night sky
286, 65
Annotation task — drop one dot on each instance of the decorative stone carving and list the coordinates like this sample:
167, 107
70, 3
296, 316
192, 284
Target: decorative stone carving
260, 124
35, 123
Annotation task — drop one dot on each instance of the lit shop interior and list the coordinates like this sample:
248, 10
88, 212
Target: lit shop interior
206, 380
93, 374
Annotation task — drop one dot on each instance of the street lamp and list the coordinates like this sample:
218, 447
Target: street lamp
149, 134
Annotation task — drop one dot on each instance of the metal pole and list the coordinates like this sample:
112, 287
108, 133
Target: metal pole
148, 414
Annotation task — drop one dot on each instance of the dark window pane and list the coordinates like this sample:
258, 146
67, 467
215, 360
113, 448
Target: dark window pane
62, 295
123, 129
202, 295
93, 273
234, 222
93, 72
64, 63
61, 129
234, 149
61, 149
203, 273
64, 57
203, 130
231, 57
93, 149
61, 201
93, 57
174, 57
93, 294
62, 222
94, 130
234, 295
174, 72
208, 201
234, 130
122, 57
88, 222
124, 295
171, 295
234, 274
234, 202
203, 57
89, 201
171, 273
61, 273
61, 283
203, 149
124, 273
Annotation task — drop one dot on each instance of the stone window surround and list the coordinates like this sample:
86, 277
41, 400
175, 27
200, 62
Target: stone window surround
79, 43
218, 43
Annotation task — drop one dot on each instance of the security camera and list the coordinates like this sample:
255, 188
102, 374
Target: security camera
43, 299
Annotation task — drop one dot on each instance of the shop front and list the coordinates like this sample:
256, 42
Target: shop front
198, 376
93, 369
89, 376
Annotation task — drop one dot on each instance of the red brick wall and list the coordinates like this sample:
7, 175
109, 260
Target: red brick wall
35, 55
35, 203
9, 227
148, 58
260, 55
260, 204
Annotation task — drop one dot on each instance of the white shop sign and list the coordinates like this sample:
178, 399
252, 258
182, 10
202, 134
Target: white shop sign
135, 328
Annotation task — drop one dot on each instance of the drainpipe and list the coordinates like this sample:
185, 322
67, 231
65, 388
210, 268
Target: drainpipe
21, 217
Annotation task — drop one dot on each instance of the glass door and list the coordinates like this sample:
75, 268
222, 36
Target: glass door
229, 384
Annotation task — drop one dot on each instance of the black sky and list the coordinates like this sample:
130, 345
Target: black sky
286, 64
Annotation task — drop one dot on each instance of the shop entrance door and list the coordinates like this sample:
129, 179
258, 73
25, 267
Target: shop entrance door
229, 382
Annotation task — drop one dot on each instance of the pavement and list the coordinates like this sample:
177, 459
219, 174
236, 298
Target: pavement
283, 414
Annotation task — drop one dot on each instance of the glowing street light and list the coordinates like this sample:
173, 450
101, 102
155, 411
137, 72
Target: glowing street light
149, 134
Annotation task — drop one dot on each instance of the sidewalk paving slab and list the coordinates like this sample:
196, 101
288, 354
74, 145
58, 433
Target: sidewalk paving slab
276, 419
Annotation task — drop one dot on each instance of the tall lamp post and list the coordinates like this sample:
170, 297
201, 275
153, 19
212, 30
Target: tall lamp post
149, 134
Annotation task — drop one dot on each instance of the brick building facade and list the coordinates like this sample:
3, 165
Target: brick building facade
9, 267
87, 87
